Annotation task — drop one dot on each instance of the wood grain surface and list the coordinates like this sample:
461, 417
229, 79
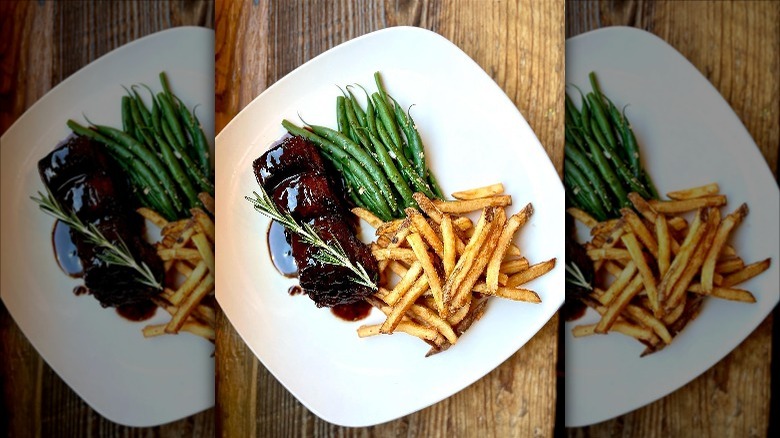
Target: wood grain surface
520, 45
736, 46
41, 44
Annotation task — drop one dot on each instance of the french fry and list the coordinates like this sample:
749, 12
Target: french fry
190, 283
645, 273
695, 192
448, 246
494, 264
480, 192
190, 254
609, 254
640, 230
205, 251
684, 205
514, 266
582, 216
533, 272
402, 254
619, 303
708, 269
423, 228
746, 273
404, 303
510, 293
189, 304
434, 282
367, 216
208, 202
204, 222
470, 205
664, 244
152, 216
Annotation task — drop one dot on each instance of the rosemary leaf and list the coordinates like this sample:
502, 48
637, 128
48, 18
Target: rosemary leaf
114, 253
332, 254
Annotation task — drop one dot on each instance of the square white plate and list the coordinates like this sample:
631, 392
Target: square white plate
688, 136
474, 135
104, 358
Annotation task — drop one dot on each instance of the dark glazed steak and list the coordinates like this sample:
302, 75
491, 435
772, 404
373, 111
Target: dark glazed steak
295, 176
81, 177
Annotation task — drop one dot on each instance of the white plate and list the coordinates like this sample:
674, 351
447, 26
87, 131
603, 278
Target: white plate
688, 136
104, 358
474, 136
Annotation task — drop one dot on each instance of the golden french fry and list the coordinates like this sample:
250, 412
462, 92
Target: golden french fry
367, 216
470, 205
404, 326
189, 254
624, 277
152, 216
618, 304
434, 282
466, 260
640, 230
190, 283
404, 254
646, 274
533, 272
204, 248
391, 227
448, 243
684, 205
494, 264
695, 192
664, 244
204, 222
634, 331
708, 268
510, 267
428, 207
423, 228
746, 273
404, 303
582, 216
189, 304
480, 192
642, 207
432, 319
208, 202
511, 293
726, 293
698, 228
407, 281
729, 265
609, 254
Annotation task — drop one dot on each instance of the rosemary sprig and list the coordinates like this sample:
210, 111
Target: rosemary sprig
575, 276
114, 253
332, 254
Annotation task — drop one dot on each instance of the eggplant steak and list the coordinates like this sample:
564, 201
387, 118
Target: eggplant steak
82, 177
296, 178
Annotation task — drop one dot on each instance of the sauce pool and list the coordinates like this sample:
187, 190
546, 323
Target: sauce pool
65, 251
280, 251
352, 312
137, 311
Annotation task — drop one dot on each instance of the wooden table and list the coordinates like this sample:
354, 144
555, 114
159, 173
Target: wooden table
520, 44
735, 45
41, 44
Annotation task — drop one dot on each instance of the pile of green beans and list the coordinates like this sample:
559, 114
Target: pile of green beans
602, 163
377, 150
162, 150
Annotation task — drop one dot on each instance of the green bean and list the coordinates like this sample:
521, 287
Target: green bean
169, 114
359, 113
622, 169
362, 157
140, 125
387, 120
412, 177
190, 167
176, 170
127, 118
341, 115
156, 116
581, 160
201, 145
601, 119
392, 172
435, 186
145, 114
602, 164
413, 139
140, 150
632, 149
358, 136
348, 161
579, 177
123, 154
572, 110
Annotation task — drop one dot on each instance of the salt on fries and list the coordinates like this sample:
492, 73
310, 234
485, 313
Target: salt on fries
662, 266
187, 249
447, 266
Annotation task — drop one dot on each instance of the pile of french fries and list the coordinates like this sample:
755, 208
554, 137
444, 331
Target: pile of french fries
437, 269
187, 251
661, 267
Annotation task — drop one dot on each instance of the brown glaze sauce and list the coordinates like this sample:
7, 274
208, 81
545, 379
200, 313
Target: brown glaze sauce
573, 310
352, 312
65, 251
280, 251
137, 311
